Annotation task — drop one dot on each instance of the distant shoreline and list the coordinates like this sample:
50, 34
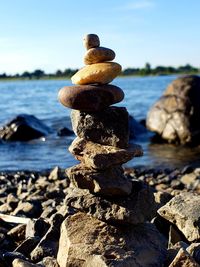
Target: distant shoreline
147, 70
68, 78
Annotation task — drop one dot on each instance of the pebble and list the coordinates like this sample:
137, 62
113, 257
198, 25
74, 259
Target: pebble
101, 73
98, 54
91, 40
90, 97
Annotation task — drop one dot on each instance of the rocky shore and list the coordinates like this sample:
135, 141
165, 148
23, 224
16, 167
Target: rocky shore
37, 203
96, 213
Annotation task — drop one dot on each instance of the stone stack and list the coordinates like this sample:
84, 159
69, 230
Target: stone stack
105, 201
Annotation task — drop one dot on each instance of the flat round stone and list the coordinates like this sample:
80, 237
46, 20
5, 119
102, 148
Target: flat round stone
101, 73
91, 40
98, 54
90, 97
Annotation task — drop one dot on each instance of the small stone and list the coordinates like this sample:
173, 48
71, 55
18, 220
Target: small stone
23, 263
183, 259
189, 178
100, 73
18, 232
49, 262
84, 238
108, 127
110, 182
91, 40
36, 228
98, 54
184, 211
9, 257
31, 209
98, 156
48, 245
55, 174
90, 97
28, 245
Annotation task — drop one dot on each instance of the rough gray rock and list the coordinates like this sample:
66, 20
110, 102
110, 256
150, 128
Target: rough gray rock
83, 239
134, 209
184, 211
175, 117
110, 182
106, 127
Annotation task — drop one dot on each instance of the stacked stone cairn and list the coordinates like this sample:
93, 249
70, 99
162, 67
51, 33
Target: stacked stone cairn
109, 225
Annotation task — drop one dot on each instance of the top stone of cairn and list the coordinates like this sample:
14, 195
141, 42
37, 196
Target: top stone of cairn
91, 41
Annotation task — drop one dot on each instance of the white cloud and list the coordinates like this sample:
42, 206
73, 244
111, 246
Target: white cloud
135, 5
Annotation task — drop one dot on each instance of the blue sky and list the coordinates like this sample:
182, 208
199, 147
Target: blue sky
47, 34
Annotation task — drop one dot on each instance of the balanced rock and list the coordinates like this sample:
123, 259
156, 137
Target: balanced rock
107, 127
110, 182
91, 40
90, 97
98, 54
137, 208
86, 241
184, 211
100, 73
175, 117
96, 156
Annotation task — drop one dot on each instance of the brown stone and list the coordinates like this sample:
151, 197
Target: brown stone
100, 73
91, 40
90, 97
98, 54
107, 127
96, 156
86, 241
109, 182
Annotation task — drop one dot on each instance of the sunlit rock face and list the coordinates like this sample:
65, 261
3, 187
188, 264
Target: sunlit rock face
175, 117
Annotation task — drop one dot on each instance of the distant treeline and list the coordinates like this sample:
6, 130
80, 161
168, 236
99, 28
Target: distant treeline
147, 70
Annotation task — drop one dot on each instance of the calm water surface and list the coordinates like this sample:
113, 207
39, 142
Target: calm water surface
40, 99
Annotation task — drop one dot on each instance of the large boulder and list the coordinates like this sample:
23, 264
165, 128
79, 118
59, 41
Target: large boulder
86, 241
24, 127
175, 117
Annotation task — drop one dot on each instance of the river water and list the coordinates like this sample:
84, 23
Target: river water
39, 98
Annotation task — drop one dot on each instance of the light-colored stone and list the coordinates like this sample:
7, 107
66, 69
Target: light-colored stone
91, 40
175, 117
90, 97
137, 208
107, 127
100, 73
183, 259
189, 178
84, 239
184, 211
110, 182
98, 54
23, 263
96, 156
